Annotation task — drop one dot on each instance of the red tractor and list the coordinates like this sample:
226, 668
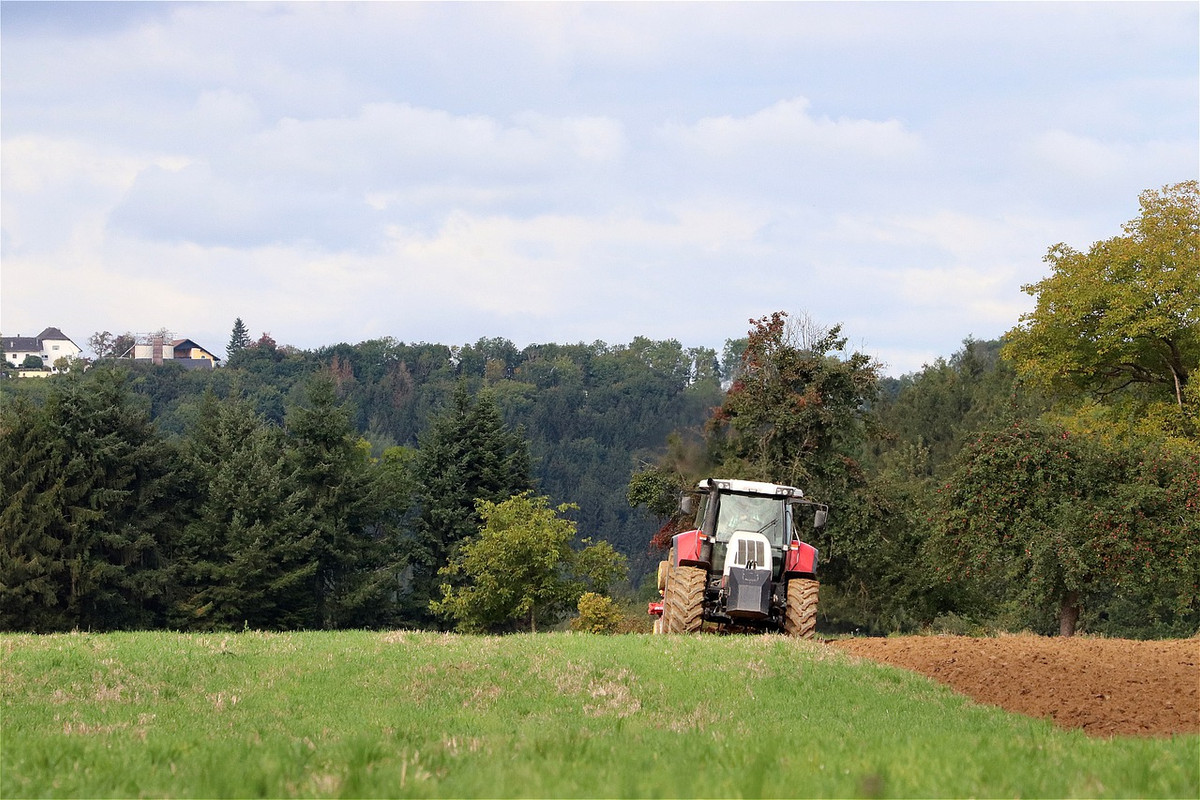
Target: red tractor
744, 567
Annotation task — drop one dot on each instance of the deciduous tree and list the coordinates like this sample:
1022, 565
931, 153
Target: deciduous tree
797, 413
1048, 518
106, 345
520, 569
1127, 312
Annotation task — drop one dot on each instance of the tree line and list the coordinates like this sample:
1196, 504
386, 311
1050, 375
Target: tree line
240, 522
1046, 481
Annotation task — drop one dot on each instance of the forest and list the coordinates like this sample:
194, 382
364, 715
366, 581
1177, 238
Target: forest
1048, 481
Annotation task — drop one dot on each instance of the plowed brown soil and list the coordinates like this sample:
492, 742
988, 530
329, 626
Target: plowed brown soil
1104, 686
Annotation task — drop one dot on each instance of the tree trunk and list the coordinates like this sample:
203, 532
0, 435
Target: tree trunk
1068, 614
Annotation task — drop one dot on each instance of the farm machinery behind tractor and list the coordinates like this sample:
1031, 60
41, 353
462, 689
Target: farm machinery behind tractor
744, 567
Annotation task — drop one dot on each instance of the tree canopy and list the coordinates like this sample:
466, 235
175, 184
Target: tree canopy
87, 508
1127, 312
329, 488
796, 413
1049, 519
467, 456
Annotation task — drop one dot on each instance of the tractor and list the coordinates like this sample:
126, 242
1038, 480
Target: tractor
744, 567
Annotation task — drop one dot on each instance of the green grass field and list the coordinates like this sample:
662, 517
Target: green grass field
363, 714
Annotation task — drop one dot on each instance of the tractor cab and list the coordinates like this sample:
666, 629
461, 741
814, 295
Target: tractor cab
752, 521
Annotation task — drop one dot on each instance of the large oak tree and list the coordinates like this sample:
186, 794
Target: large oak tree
1126, 312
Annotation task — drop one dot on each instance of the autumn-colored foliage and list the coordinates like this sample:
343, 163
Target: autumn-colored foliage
797, 412
1123, 315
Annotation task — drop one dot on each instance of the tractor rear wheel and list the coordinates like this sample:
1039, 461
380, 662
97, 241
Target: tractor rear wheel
668, 574
664, 572
683, 603
801, 617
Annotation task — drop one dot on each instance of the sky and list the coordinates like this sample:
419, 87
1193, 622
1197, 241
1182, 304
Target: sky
572, 172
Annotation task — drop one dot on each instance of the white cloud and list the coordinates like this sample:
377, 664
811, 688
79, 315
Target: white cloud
222, 116
590, 139
1089, 160
787, 127
549, 264
331, 179
54, 187
386, 142
38, 164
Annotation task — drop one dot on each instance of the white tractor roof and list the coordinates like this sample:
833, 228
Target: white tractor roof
751, 487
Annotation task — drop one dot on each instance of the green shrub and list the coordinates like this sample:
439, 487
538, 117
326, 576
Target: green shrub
598, 614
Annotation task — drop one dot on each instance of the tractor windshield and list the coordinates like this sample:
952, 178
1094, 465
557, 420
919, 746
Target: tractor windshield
752, 513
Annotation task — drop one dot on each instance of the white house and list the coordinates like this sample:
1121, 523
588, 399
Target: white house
49, 345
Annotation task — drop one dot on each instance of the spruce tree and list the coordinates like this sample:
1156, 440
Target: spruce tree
94, 504
467, 455
350, 503
32, 565
239, 340
246, 556
127, 476
331, 487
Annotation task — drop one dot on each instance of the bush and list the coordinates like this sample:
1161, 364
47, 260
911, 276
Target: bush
598, 614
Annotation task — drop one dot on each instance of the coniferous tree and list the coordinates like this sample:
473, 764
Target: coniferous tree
239, 339
94, 505
332, 488
128, 478
32, 563
467, 455
350, 503
245, 558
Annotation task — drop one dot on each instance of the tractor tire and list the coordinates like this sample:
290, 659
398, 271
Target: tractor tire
668, 574
800, 620
664, 567
684, 601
